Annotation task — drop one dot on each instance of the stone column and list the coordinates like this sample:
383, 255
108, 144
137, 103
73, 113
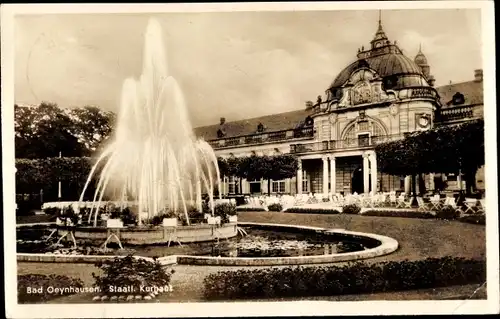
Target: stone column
407, 184
366, 171
299, 176
325, 175
333, 175
373, 171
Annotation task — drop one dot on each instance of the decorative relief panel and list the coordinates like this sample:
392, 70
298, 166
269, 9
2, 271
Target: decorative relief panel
362, 93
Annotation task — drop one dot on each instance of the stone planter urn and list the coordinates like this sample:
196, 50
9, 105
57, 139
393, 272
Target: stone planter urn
114, 223
233, 219
60, 221
214, 220
169, 222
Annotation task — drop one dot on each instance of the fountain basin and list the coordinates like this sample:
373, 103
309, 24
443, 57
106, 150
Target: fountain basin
375, 245
159, 235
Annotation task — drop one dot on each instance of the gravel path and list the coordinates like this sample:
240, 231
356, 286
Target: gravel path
418, 239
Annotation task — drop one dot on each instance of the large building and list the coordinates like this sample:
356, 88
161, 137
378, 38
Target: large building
379, 97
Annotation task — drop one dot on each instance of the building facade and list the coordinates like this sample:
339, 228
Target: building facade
380, 97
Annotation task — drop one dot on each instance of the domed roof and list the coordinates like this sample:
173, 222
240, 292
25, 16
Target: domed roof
420, 58
385, 65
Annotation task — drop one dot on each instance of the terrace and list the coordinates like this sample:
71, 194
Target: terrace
360, 142
264, 137
459, 113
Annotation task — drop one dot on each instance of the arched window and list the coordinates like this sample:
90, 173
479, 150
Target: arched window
360, 132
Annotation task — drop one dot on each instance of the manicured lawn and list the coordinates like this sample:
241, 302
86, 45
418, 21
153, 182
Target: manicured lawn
418, 239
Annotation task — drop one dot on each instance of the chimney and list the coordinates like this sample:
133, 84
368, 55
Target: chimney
478, 75
222, 120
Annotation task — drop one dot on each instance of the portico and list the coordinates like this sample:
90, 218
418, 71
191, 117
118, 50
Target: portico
338, 178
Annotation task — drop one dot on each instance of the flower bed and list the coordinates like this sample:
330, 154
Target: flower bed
34, 288
354, 278
304, 210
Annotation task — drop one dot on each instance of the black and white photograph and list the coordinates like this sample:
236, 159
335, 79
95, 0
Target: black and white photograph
249, 159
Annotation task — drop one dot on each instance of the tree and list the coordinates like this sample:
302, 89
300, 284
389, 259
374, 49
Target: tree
254, 167
45, 130
449, 149
91, 126
32, 175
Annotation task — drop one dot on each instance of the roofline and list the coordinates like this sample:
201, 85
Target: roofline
250, 118
458, 83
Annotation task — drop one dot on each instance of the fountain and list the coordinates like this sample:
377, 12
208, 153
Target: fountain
154, 157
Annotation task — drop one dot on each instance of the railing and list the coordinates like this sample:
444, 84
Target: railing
422, 92
457, 113
264, 137
343, 144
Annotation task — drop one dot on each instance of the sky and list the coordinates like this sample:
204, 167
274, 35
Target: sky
229, 64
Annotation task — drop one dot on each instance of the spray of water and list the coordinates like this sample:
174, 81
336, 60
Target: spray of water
153, 156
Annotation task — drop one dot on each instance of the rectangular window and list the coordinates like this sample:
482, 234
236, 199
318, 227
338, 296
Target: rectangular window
364, 139
255, 187
231, 183
305, 186
278, 186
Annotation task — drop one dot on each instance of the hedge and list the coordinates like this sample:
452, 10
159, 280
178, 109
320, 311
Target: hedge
353, 278
277, 207
250, 209
399, 213
473, 219
303, 210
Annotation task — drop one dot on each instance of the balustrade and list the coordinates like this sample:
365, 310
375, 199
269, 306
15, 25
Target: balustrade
343, 144
307, 132
456, 113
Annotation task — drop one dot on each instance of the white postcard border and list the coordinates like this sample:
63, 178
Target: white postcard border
295, 308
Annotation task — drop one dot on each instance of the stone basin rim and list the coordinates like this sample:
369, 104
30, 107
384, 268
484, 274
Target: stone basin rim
387, 246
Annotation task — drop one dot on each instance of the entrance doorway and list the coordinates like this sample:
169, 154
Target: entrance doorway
357, 181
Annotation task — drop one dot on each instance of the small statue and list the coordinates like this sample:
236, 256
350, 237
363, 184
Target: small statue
319, 100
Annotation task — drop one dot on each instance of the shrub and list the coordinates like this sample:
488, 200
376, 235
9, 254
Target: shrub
68, 213
351, 209
303, 210
224, 211
195, 216
25, 282
474, 219
447, 212
125, 271
354, 278
399, 213
275, 207
128, 217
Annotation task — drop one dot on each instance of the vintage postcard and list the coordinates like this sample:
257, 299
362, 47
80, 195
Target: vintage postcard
249, 159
